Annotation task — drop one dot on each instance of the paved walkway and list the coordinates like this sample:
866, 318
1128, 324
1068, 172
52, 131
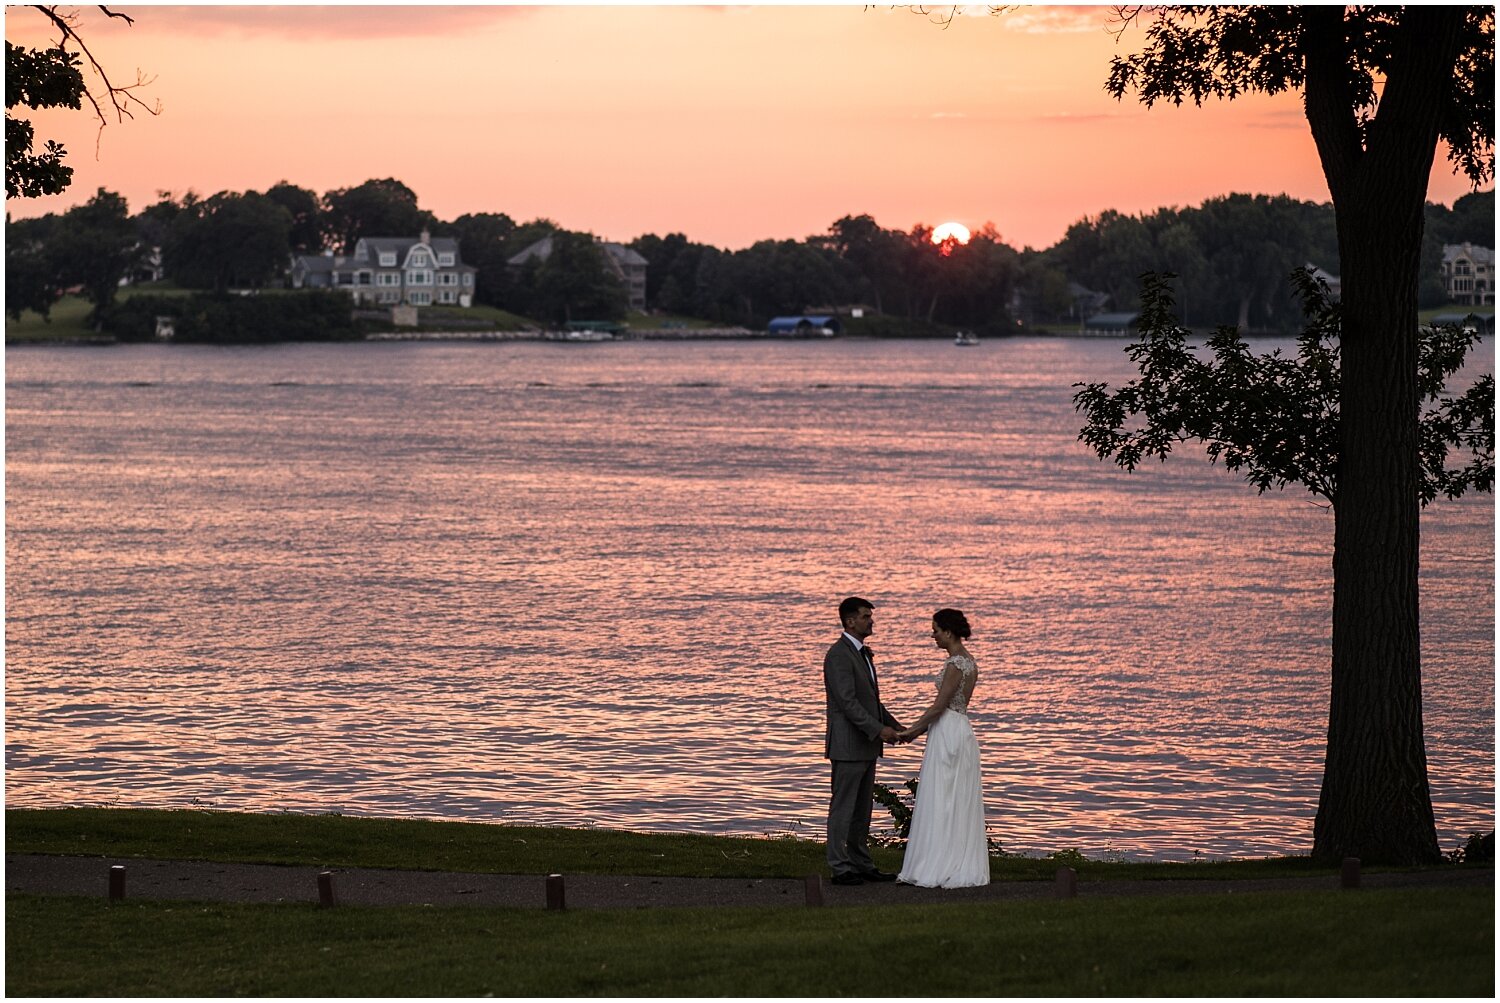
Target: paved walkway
200, 881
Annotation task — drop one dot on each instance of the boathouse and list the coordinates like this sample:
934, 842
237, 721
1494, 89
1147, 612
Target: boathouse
805, 326
1111, 324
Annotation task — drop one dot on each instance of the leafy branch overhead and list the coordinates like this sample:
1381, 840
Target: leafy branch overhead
1276, 418
1210, 51
52, 78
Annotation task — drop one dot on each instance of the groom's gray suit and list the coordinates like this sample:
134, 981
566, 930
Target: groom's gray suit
852, 741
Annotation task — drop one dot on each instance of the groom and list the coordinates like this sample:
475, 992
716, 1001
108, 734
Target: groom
857, 725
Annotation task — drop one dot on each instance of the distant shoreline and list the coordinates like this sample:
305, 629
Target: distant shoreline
563, 337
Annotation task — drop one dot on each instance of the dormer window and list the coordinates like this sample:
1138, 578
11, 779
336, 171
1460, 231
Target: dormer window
418, 260
387, 259
445, 259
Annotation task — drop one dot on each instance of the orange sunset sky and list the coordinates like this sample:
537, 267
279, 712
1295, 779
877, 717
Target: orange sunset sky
727, 124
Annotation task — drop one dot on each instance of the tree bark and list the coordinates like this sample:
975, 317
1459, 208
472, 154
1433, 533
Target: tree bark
1375, 802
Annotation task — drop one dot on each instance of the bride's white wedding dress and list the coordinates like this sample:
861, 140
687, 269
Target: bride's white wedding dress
946, 847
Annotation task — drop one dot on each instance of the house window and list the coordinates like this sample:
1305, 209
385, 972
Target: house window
388, 279
419, 278
447, 296
419, 299
387, 259
447, 279
389, 296
468, 278
364, 278
445, 259
418, 259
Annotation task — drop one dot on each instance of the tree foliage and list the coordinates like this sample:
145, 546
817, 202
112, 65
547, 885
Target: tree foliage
1273, 417
306, 212
33, 280
574, 283
1197, 52
37, 78
229, 240
377, 208
94, 246
484, 241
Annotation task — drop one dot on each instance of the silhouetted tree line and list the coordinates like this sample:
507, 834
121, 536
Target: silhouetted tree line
1232, 256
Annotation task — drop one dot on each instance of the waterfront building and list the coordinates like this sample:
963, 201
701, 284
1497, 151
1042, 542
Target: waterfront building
1469, 274
805, 326
392, 271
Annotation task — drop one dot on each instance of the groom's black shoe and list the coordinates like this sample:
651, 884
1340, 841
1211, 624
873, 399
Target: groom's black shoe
877, 876
847, 879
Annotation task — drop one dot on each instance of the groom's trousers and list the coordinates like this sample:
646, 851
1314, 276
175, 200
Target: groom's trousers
849, 816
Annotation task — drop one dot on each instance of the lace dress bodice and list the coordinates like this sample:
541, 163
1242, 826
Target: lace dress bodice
967, 669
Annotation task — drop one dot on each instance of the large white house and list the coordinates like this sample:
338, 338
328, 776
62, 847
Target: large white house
387, 271
1469, 274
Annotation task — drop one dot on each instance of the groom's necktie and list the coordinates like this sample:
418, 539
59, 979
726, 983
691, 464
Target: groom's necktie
869, 660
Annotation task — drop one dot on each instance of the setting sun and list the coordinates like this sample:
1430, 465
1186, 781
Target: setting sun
957, 231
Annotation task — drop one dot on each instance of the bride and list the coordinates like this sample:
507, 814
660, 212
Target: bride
947, 847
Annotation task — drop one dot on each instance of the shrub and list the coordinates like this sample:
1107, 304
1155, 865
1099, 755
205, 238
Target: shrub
315, 315
900, 807
1479, 849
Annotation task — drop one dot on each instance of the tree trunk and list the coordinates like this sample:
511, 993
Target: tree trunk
1375, 802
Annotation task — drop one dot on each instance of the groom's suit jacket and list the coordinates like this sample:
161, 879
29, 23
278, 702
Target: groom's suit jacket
855, 713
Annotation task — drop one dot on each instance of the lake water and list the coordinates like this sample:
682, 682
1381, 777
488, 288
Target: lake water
592, 585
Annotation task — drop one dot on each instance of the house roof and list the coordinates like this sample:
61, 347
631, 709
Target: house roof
543, 249
315, 262
623, 254
404, 243
804, 320
1112, 320
1481, 255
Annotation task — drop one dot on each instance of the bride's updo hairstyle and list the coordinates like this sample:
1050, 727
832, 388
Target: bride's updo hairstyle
953, 621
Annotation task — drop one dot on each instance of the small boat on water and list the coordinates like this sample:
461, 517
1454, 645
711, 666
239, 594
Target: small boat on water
966, 338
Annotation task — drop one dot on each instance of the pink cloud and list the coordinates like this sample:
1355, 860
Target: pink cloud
321, 22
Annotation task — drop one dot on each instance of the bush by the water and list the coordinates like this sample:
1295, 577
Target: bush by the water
314, 315
1479, 850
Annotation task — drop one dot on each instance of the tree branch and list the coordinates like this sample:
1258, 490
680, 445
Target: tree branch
1122, 17
1328, 98
1420, 73
121, 99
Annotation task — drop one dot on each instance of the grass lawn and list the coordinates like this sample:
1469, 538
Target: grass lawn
1379, 943
340, 841
66, 323
1479, 311
1414, 941
653, 321
433, 318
